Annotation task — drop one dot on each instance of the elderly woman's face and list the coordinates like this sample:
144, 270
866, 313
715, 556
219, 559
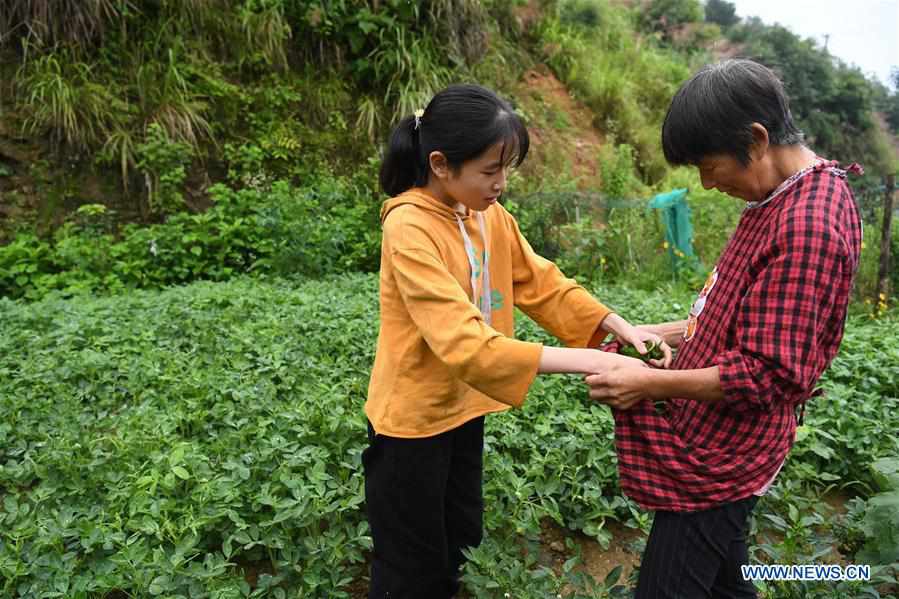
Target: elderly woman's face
726, 174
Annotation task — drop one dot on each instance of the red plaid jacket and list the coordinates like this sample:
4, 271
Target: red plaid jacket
771, 318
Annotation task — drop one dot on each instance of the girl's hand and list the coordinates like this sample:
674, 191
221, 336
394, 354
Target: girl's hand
671, 332
639, 337
631, 335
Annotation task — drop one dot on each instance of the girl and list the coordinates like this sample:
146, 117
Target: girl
453, 266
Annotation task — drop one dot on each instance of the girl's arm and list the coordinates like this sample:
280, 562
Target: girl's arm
566, 360
564, 308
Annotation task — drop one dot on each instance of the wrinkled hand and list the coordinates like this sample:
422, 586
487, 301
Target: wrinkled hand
639, 337
621, 386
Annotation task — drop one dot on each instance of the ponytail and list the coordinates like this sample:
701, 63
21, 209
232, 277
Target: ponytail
403, 166
462, 122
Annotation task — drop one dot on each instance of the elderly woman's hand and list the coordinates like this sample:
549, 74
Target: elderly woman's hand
621, 386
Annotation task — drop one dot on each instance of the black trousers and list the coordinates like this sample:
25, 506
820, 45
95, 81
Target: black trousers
697, 555
424, 504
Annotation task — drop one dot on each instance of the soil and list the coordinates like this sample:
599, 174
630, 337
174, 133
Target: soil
17, 190
575, 146
723, 48
528, 14
596, 561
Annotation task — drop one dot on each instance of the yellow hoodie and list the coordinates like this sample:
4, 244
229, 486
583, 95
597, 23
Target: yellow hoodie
438, 362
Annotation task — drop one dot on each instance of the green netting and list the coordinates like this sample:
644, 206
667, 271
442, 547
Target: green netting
678, 228
569, 206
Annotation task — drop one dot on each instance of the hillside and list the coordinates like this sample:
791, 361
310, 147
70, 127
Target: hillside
190, 249
133, 124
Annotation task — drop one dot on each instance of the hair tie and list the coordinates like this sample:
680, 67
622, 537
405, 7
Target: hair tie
418, 114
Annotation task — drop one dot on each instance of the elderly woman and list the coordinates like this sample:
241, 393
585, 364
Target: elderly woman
767, 323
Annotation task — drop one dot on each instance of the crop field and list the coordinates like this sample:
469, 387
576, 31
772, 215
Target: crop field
204, 441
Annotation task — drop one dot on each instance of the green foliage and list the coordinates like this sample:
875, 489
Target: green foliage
721, 12
867, 377
169, 93
271, 82
402, 52
584, 13
48, 23
183, 488
214, 245
626, 83
263, 90
66, 100
793, 518
881, 521
295, 125
496, 569
797, 531
613, 236
867, 279
664, 15
890, 105
205, 441
618, 169
539, 216
843, 445
833, 103
265, 29
329, 226
585, 251
163, 163
714, 214
23, 262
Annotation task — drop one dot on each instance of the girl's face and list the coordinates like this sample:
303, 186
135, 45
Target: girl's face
478, 183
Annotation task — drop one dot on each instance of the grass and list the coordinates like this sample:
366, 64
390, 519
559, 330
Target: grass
625, 81
41, 24
64, 98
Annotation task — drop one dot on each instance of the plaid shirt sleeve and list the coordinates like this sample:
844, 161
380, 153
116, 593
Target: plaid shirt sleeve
781, 318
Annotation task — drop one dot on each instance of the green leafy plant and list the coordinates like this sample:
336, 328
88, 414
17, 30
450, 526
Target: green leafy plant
45, 23
163, 163
881, 520
169, 440
62, 96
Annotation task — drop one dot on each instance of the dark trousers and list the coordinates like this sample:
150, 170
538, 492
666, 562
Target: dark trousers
697, 555
424, 504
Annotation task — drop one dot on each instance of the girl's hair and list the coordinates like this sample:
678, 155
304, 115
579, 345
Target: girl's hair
462, 122
713, 113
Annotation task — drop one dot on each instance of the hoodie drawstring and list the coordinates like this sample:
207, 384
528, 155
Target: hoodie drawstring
482, 300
